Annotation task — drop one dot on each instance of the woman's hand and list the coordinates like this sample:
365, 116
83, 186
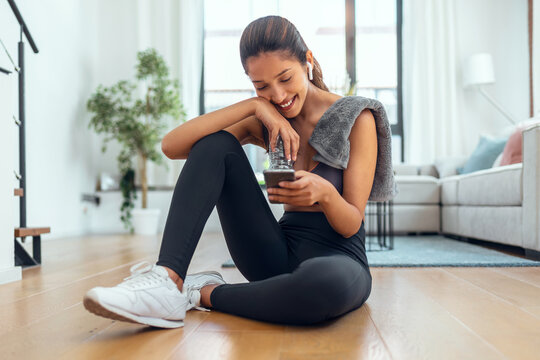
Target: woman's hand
277, 124
306, 190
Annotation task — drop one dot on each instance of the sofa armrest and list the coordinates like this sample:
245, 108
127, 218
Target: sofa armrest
531, 188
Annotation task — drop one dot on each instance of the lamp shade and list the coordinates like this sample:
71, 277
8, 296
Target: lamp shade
478, 70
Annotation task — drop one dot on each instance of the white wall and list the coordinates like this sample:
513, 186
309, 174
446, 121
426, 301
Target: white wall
8, 272
498, 27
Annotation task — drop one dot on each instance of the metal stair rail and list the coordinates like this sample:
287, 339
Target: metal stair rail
22, 257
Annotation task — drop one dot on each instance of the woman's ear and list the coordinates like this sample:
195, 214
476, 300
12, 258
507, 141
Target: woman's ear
309, 57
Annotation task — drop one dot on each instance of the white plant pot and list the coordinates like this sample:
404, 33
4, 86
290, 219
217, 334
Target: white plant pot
145, 221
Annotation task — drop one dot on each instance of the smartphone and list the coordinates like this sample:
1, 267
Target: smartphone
272, 178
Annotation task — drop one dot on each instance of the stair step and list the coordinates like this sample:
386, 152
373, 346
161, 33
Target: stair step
20, 232
18, 192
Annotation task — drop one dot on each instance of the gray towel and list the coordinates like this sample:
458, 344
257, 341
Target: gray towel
331, 140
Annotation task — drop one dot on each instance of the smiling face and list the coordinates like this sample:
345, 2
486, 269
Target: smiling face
281, 79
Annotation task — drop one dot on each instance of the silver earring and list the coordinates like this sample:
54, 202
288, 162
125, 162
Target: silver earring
310, 71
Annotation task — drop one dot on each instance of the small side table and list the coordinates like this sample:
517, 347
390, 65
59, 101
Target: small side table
380, 219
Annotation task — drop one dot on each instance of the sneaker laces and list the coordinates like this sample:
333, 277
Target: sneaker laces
142, 275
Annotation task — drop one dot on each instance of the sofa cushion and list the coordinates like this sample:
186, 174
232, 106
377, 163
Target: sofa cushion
420, 189
484, 155
499, 186
447, 166
405, 169
449, 190
429, 170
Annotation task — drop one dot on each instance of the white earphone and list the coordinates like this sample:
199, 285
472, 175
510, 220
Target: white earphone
310, 70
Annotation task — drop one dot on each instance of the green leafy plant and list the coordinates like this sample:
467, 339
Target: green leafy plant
135, 114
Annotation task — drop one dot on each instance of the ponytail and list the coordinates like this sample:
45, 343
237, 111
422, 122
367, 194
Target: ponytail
317, 76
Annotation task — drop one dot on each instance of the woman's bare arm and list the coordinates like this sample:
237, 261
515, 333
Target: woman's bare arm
178, 142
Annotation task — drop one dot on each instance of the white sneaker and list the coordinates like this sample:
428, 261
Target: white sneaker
193, 283
148, 296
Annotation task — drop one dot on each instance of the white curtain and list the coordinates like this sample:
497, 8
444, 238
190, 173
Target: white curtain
433, 127
176, 29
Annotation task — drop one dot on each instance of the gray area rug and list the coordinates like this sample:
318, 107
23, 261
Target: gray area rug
436, 250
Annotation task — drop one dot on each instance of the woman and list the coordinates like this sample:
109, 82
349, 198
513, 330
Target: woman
307, 267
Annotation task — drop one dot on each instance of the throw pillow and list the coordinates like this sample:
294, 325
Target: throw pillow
512, 153
447, 166
484, 155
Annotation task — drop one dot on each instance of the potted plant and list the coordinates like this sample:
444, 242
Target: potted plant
136, 114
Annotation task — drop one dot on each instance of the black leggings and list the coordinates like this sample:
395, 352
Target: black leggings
300, 270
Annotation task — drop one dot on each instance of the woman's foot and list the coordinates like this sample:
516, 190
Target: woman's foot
199, 286
148, 296
175, 278
205, 295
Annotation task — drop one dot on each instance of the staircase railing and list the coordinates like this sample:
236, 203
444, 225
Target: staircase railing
22, 103
21, 256
5, 71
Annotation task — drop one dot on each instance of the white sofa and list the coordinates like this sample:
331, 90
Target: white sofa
417, 205
500, 204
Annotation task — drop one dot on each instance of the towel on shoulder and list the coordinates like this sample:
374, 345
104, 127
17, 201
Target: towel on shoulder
331, 140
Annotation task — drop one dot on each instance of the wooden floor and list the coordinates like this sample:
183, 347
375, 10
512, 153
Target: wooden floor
412, 313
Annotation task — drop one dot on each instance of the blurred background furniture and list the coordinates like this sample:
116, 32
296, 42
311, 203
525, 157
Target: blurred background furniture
499, 204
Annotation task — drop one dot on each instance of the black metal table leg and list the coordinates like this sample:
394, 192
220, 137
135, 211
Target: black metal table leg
380, 224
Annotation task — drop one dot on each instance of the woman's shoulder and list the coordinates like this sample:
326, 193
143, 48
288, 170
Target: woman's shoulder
332, 98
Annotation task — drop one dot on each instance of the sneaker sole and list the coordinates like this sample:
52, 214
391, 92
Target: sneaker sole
116, 314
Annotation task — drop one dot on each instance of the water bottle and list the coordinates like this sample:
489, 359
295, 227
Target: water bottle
277, 157
280, 169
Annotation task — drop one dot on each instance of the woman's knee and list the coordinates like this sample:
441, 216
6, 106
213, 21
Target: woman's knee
335, 283
330, 273
219, 142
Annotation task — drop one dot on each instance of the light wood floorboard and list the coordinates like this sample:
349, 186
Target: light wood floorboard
412, 313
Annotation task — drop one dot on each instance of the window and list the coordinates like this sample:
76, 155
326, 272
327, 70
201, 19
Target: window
376, 60
322, 25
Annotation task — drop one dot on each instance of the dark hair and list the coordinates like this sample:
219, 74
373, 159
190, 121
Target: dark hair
275, 33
